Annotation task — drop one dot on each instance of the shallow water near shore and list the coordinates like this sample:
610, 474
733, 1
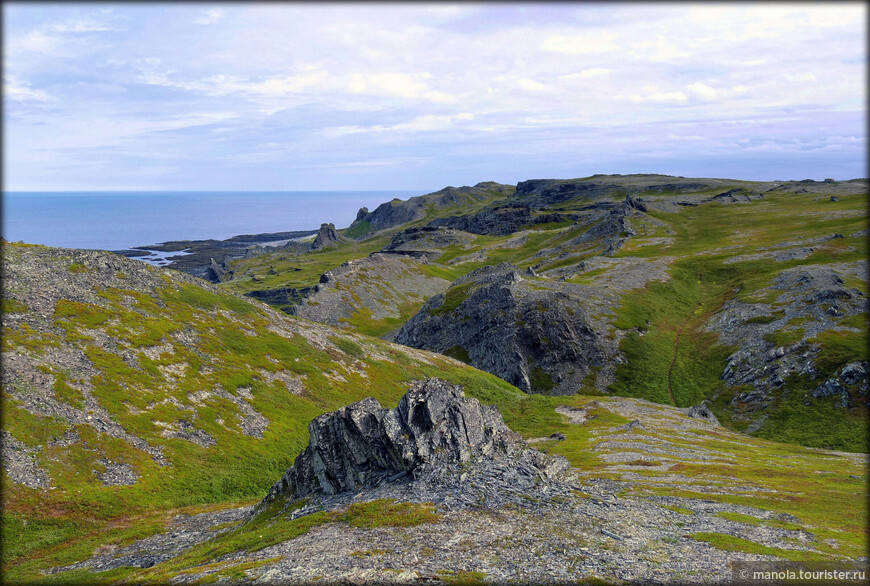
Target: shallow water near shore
116, 220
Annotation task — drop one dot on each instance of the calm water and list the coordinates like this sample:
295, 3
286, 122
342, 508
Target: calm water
119, 220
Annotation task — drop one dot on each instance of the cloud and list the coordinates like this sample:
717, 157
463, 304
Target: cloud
36, 42
20, 91
657, 97
82, 25
580, 44
532, 86
429, 123
210, 16
396, 85
702, 90
587, 73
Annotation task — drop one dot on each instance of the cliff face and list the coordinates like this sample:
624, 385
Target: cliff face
535, 335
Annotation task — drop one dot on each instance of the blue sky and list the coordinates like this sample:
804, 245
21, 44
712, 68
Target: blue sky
272, 96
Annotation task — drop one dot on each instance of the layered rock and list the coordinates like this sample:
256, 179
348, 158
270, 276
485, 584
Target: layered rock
535, 335
816, 298
499, 220
434, 432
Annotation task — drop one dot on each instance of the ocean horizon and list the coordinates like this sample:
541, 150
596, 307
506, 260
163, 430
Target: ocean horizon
119, 220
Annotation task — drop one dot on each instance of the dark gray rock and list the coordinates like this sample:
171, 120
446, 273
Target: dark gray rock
854, 373
433, 432
326, 237
702, 411
535, 335
500, 220
218, 273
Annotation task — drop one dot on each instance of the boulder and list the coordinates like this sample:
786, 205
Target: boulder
702, 411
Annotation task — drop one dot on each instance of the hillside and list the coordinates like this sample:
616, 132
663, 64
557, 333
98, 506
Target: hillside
749, 294
146, 412
129, 389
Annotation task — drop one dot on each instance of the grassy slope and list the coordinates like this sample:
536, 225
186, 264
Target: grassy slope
672, 314
671, 359
44, 528
211, 339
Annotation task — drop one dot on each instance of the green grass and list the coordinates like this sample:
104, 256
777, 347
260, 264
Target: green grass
453, 298
459, 353
671, 359
731, 543
9, 305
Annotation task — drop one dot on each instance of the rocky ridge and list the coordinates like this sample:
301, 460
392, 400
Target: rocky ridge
397, 212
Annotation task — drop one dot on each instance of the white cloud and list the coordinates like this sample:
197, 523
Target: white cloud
20, 91
598, 42
36, 42
653, 95
210, 16
586, 73
430, 123
532, 86
398, 85
703, 91
82, 25
661, 50
805, 76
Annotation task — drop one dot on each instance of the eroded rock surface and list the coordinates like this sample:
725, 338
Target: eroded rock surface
437, 443
537, 335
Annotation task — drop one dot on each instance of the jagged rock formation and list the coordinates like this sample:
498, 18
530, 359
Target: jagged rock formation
434, 433
702, 411
218, 272
326, 237
535, 335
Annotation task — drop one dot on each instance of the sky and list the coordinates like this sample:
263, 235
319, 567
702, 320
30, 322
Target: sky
330, 96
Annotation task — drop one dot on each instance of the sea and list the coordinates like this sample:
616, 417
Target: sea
118, 220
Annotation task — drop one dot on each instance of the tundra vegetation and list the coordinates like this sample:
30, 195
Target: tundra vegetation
135, 396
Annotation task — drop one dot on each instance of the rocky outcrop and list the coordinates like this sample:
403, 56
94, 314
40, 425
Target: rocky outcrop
218, 273
427, 239
435, 433
397, 212
535, 335
702, 412
377, 287
326, 237
815, 297
499, 220
609, 229
284, 298
550, 191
